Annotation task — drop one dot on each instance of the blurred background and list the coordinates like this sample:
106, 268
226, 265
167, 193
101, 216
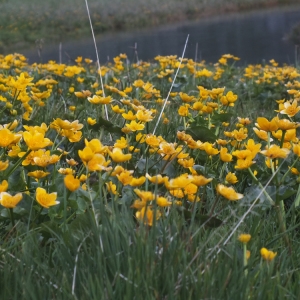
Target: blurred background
254, 30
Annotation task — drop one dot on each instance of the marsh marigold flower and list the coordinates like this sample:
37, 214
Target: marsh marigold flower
7, 137
264, 124
231, 178
224, 155
228, 192
118, 156
38, 174
290, 109
275, 152
10, 201
267, 255
200, 180
147, 215
134, 126
3, 186
35, 140
44, 199
91, 121
4, 165
244, 238
71, 183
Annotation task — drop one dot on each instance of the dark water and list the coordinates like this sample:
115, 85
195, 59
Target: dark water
254, 37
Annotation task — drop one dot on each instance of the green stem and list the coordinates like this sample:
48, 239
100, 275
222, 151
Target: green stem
11, 213
245, 259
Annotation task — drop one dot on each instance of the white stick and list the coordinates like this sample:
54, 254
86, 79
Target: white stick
166, 100
98, 61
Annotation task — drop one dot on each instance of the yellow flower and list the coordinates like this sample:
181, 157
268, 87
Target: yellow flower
248, 254
44, 199
97, 163
91, 121
152, 140
294, 171
112, 188
183, 111
285, 124
240, 134
231, 178
43, 158
144, 115
3, 186
121, 143
200, 180
137, 181
38, 174
7, 137
72, 162
146, 215
263, 135
118, 156
134, 126
125, 177
95, 145
129, 116
267, 255
254, 148
209, 149
86, 154
10, 201
264, 124
179, 182
4, 165
65, 171
186, 163
116, 109
185, 97
35, 140
275, 152
83, 94
59, 124
229, 99
244, 238
290, 109
138, 83
158, 179
224, 156
71, 183
228, 193
100, 100
163, 202
244, 163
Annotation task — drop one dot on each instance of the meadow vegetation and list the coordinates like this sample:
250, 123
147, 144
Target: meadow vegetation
170, 179
24, 22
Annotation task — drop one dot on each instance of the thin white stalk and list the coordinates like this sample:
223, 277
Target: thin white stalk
96, 49
166, 100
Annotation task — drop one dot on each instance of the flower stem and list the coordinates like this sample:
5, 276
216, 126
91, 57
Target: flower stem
11, 213
245, 261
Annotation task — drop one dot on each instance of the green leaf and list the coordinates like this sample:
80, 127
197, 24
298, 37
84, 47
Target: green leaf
201, 133
220, 118
107, 125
